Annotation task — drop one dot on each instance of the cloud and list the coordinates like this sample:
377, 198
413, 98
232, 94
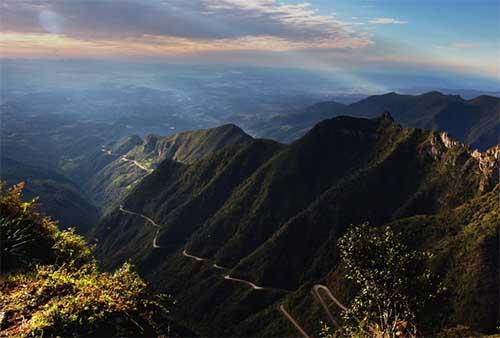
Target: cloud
51, 21
466, 45
386, 21
298, 25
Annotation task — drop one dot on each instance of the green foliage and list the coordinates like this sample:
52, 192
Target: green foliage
51, 284
393, 281
70, 247
15, 238
25, 236
64, 301
464, 243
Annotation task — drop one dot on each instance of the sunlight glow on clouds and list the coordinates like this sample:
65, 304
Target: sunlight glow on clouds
223, 20
40, 45
259, 32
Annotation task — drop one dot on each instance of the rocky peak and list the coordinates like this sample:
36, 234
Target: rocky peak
489, 165
448, 141
488, 162
440, 143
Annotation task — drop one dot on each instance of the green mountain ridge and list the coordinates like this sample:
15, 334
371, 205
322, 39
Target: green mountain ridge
111, 182
272, 213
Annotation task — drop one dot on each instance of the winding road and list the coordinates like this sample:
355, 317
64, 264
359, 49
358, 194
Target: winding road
252, 285
137, 164
196, 258
315, 290
186, 254
215, 265
226, 277
157, 226
155, 244
317, 296
292, 320
125, 159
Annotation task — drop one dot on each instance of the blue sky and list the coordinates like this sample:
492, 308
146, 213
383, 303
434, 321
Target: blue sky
429, 22
420, 36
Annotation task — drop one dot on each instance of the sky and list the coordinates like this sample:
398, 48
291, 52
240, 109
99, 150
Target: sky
456, 36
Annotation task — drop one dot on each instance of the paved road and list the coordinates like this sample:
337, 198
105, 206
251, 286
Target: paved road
137, 164
125, 159
315, 290
196, 258
226, 277
155, 244
252, 285
215, 265
293, 321
321, 300
184, 252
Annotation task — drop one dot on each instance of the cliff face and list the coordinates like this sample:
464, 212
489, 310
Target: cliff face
487, 162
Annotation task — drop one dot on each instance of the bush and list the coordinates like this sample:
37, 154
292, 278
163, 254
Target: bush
393, 283
51, 284
25, 236
61, 301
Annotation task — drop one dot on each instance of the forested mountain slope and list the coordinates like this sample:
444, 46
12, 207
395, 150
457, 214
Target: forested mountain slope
271, 214
116, 168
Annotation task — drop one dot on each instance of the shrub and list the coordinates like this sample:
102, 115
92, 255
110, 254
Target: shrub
25, 236
51, 285
393, 283
60, 301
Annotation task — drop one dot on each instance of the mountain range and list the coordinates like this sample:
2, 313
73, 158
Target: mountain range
254, 224
101, 158
234, 226
474, 122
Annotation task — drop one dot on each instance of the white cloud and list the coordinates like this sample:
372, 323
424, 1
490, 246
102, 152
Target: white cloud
386, 21
217, 20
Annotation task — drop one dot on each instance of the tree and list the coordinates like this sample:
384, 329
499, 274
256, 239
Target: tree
393, 282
